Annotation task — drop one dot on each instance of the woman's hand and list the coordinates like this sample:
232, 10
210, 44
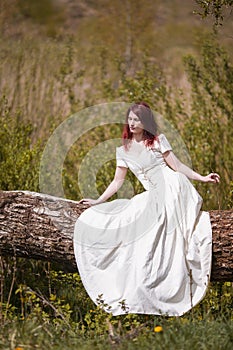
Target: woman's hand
89, 201
212, 177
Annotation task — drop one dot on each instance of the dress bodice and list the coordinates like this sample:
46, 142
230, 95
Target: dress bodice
141, 159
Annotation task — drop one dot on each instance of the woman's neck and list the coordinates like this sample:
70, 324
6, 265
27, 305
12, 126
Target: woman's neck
138, 137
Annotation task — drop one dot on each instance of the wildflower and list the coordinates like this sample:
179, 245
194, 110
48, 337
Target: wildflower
158, 329
18, 348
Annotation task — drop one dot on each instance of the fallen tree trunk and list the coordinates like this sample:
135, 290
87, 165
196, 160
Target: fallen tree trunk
38, 226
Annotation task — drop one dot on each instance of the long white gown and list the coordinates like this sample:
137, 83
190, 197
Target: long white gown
153, 251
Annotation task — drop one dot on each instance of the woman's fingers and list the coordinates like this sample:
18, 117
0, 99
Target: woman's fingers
84, 201
214, 177
88, 201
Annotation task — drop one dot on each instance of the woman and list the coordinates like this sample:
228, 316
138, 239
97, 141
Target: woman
149, 254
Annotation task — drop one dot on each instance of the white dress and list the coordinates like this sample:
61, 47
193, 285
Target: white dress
152, 252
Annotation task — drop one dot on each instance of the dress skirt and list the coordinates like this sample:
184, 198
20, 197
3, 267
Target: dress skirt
150, 254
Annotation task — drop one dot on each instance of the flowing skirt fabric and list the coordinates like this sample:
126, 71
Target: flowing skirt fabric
150, 254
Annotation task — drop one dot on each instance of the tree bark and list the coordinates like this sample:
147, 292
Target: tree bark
39, 226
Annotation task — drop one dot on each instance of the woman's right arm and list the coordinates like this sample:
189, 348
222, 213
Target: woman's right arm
177, 165
114, 186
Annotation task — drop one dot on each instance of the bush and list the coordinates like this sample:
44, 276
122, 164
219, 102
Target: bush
19, 159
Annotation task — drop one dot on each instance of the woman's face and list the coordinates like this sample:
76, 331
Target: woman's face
135, 124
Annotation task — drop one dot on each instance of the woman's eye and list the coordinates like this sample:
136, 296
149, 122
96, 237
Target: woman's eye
131, 119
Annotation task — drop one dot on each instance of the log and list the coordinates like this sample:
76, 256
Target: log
40, 226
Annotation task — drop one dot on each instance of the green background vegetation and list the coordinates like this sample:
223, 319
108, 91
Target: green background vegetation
56, 58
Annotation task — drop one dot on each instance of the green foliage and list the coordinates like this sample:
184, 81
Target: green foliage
19, 159
53, 310
69, 75
208, 129
176, 335
143, 84
231, 195
214, 8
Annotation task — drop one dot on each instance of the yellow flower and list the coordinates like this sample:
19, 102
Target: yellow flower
18, 348
158, 329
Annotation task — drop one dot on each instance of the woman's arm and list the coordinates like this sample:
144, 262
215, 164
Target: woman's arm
111, 189
177, 165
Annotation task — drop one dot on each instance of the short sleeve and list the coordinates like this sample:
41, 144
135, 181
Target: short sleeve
120, 161
164, 145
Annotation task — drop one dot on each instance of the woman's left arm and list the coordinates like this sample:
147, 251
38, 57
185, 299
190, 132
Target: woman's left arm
177, 165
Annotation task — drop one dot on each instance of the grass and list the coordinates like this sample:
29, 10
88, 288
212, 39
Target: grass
68, 319
180, 333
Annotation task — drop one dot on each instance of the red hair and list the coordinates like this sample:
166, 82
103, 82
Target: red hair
145, 114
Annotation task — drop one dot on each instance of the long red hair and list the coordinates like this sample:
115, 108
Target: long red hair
145, 114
